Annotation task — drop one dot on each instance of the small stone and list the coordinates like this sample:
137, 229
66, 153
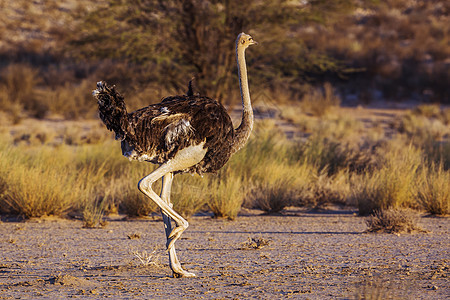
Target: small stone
94, 292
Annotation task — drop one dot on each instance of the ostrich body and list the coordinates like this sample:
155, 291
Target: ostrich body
186, 133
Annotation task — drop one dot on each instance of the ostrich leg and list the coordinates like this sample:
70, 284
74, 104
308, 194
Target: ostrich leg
145, 186
185, 158
173, 259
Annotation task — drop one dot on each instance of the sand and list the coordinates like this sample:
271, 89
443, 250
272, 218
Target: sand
309, 255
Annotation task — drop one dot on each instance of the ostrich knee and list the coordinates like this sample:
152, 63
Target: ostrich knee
144, 186
175, 234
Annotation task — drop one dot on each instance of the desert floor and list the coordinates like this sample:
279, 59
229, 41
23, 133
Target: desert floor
310, 255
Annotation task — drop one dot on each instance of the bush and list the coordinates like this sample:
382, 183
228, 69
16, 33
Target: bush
271, 197
46, 181
392, 185
19, 91
335, 189
33, 186
319, 102
433, 190
225, 195
188, 194
392, 221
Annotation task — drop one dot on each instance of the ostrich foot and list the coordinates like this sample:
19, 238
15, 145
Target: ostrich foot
175, 265
183, 273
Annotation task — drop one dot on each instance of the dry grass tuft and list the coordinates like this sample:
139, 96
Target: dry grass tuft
34, 192
324, 189
319, 102
135, 204
254, 243
272, 197
392, 221
134, 236
424, 127
433, 191
188, 194
148, 258
225, 196
392, 184
93, 216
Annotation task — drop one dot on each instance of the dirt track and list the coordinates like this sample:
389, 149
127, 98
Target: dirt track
310, 256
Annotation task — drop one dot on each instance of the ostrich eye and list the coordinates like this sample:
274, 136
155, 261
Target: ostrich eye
243, 42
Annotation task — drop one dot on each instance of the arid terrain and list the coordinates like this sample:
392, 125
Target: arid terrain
310, 255
352, 126
298, 253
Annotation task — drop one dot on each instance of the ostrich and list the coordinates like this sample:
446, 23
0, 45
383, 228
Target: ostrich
188, 133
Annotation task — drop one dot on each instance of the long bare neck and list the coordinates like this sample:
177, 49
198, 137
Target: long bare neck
242, 133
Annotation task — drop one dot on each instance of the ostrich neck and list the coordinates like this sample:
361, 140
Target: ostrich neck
242, 133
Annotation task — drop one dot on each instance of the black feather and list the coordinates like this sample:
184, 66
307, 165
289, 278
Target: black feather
157, 132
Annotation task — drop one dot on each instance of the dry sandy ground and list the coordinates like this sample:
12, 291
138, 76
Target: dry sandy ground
311, 255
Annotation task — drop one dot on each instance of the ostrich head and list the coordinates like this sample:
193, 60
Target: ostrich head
245, 40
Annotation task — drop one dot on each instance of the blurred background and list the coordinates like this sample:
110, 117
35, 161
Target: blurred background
53, 52
351, 100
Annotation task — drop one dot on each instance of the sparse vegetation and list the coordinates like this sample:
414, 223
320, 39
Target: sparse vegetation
390, 185
134, 236
54, 169
392, 221
54, 52
271, 197
254, 243
93, 214
147, 259
433, 190
270, 173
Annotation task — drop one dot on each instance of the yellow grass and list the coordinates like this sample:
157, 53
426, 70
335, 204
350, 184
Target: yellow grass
433, 190
271, 172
